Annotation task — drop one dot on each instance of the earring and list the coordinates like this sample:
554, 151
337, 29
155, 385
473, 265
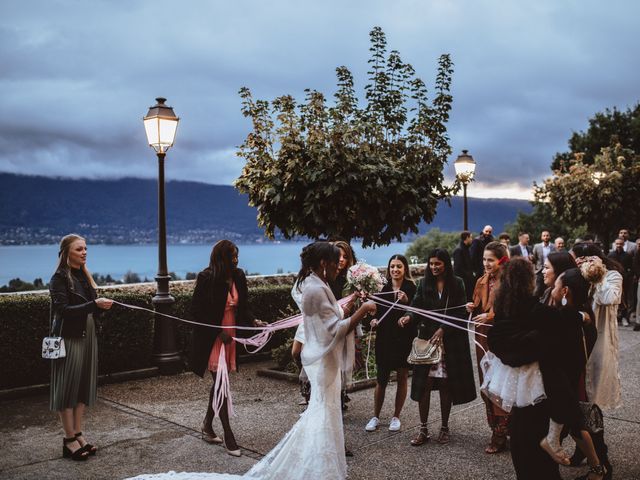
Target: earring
564, 301
324, 273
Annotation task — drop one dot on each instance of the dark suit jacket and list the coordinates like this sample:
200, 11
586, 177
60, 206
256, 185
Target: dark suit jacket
516, 250
463, 268
207, 306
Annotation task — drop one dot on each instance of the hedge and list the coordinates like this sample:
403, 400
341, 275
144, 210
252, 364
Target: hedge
125, 336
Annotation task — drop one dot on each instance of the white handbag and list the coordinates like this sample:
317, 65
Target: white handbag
53, 348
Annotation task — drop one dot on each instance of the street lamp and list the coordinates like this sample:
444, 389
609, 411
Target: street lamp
465, 167
160, 124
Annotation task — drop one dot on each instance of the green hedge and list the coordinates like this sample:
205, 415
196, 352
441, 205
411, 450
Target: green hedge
125, 336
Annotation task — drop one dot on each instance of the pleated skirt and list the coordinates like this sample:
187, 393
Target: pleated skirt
74, 377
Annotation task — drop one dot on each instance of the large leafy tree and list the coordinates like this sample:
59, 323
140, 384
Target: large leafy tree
602, 195
606, 129
372, 172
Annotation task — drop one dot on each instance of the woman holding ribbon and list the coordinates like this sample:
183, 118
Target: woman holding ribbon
219, 300
495, 255
314, 447
453, 376
393, 341
74, 306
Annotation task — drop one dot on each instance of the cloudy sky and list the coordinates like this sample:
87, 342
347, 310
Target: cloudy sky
77, 76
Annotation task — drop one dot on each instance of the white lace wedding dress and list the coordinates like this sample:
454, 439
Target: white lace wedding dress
314, 447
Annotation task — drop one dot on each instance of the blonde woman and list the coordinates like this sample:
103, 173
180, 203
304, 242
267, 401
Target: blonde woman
74, 304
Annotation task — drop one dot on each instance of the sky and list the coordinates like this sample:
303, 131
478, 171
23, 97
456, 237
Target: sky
78, 76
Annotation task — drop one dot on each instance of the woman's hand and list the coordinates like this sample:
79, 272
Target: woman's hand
225, 337
369, 307
259, 323
482, 318
104, 303
470, 307
586, 318
404, 321
436, 339
402, 297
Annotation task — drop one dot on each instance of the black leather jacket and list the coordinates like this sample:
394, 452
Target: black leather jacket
69, 307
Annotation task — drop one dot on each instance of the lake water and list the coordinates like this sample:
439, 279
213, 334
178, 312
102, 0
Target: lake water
29, 262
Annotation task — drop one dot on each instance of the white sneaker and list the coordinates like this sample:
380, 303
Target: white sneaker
395, 424
625, 323
372, 426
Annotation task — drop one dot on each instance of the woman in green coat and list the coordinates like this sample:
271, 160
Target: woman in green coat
453, 375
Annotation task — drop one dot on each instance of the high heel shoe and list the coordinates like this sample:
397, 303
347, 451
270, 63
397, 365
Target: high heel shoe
443, 437
210, 437
90, 449
79, 455
233, 453
422, 437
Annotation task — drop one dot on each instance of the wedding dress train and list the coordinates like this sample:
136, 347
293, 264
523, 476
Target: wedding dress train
314, 447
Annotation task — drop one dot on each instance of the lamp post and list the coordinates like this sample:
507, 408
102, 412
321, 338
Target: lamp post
465, 167
160, 124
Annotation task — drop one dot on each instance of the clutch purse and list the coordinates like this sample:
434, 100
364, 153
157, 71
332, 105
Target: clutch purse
423, 352
53, 348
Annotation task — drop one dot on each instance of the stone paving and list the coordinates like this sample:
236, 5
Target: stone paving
153, 425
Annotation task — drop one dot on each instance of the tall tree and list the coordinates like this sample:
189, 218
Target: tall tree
602, 195
606, 129
373, 172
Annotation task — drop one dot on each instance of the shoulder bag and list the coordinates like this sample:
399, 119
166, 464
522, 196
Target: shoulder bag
423, 352
53, 346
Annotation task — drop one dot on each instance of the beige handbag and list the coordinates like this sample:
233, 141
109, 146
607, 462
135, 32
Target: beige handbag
423, 352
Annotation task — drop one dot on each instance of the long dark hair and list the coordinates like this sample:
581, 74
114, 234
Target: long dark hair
407, 270
590, 249
312, 255
515, 293
429, 283
221, 261
579, 286
561, 262
348, 253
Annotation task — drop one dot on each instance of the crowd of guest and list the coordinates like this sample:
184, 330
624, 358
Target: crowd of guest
539, 308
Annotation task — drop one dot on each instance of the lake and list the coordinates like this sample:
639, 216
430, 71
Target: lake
29, 262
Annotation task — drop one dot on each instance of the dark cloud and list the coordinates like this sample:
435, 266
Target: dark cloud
77, 77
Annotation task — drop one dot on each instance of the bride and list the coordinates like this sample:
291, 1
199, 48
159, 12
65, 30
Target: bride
314, 447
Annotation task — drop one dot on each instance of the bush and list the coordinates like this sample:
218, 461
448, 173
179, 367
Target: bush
125, 336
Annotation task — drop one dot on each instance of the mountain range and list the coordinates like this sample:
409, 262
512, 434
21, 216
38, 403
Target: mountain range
41, 209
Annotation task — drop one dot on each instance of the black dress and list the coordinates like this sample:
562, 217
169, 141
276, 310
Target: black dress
393, 343
457, 356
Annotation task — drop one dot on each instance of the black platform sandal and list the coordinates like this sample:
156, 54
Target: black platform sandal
90, 449
599, 470
78, 455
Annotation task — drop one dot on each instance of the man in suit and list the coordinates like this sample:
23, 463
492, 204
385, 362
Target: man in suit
522, 249
628, 246
477, 249
626, 260
462, 264
540, 252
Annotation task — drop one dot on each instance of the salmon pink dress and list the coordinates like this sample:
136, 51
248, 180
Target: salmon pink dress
228, 320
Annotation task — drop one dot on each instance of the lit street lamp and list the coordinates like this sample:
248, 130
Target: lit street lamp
160, 124
465, 167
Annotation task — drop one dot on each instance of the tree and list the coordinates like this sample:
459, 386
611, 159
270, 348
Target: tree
434, 238
606, 129
345, 171
602, 195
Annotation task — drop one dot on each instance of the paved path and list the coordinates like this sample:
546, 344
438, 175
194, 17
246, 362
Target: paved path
152, 425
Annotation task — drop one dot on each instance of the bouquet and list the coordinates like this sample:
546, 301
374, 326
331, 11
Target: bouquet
592, 269
364, 279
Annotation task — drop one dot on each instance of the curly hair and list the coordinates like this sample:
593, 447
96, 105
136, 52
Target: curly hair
312, 255
517, 283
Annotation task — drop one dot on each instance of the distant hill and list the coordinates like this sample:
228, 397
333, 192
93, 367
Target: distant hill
41, 209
